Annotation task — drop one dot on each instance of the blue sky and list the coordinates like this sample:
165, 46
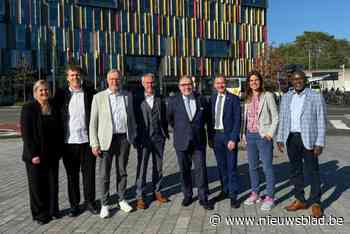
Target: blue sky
290, 18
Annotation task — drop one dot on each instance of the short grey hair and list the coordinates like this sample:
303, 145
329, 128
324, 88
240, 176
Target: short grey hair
147, 75
39, 83
185, 77
113, 71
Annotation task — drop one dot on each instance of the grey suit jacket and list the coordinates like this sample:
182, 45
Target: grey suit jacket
268, 115
101, 126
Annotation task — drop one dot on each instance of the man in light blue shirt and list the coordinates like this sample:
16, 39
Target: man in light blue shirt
302, 129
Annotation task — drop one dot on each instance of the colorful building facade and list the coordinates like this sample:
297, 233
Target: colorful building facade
199, 38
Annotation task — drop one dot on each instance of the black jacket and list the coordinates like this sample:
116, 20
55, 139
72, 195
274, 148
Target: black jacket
142, 128
62, 99
32, 133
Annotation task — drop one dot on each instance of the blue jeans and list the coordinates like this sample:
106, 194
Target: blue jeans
260, 149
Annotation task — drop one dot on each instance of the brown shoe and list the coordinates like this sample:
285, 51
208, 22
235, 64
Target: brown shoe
160, 198
316, 211
140, 204
296, 205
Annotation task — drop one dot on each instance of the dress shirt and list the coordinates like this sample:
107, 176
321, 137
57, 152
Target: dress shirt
118, 111
77, 130
149, 100
192, 105
220, 126
295, 111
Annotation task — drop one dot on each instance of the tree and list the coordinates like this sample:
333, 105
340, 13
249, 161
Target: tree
316, 50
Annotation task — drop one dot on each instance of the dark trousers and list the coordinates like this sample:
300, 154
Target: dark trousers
297, 153
156, 148
43, 189
184, 159
227, 165
79, 157
120, 148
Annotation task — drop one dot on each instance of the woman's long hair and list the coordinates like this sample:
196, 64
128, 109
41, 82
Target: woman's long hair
249, 91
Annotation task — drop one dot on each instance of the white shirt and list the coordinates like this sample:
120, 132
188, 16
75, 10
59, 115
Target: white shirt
118, 111
77, 131
192, 106
221, 124
295, 111
149, 100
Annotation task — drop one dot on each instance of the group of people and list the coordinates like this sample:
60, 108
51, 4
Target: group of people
83, 126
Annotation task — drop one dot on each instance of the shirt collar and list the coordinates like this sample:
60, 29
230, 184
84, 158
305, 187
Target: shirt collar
76, 91
222, 95
300, 94
111, 93
191, 97
147, 96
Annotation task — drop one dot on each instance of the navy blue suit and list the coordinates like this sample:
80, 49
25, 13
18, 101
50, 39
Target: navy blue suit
226, 159
190, 140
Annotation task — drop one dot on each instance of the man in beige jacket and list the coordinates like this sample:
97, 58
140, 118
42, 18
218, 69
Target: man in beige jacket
112, 130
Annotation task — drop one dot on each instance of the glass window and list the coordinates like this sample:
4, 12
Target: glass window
217, 48
3, 36
20, 36
89, 22
53, 14
2, 11
139, 65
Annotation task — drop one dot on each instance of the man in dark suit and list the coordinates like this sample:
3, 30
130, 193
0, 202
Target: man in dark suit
152, 131
188, 115
226, 124
75, 106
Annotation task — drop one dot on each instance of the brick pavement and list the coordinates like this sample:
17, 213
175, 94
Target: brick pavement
172, 217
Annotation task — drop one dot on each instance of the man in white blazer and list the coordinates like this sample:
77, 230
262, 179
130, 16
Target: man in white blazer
112, 130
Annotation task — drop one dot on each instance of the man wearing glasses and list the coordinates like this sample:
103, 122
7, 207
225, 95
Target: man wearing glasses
188, 113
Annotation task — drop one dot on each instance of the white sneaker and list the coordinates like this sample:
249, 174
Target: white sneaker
104, 212
124, 206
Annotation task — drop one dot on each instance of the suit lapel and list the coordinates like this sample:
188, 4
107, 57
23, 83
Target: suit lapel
107, 104
306, 99
227, 101
261, 104
182, 103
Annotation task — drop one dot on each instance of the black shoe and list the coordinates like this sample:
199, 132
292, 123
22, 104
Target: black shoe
206, 205
90, 206
220, 197
56, 215
234, 203
74, 211
186, 201
43, 221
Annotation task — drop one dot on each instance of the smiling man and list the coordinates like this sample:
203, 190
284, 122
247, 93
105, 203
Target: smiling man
188, 113
302, 129
75, 109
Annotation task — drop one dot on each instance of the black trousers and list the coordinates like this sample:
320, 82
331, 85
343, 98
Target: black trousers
43, 189
79, 157
299, 156
156, 148
184, 159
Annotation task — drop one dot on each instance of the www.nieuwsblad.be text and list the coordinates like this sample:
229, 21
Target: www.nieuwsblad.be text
303, 220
